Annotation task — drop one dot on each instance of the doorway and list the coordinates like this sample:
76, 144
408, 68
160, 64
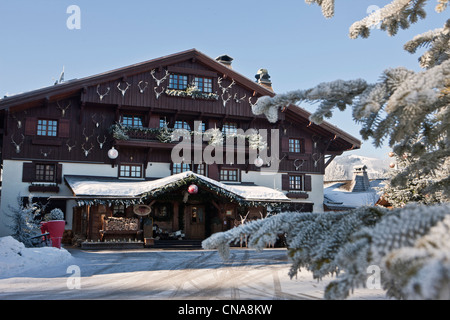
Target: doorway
195, 222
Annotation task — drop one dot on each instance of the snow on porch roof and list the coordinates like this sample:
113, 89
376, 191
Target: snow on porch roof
85, 186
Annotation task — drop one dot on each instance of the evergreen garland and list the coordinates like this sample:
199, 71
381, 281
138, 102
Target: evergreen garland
192, 92
214, 137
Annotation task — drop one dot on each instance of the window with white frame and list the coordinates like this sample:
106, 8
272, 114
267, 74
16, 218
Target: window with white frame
180, 167
130, 171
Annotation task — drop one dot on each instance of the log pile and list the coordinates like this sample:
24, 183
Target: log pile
121, 224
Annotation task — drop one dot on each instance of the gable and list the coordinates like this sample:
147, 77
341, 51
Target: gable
125, 84
184, 86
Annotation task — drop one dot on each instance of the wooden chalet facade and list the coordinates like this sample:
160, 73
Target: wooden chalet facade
57, 144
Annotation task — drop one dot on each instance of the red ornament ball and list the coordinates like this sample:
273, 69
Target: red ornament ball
193, 189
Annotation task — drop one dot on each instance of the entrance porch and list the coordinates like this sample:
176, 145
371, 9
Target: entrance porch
110, 209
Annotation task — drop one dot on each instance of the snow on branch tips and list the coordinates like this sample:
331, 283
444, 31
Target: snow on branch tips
395, 15
346, 244
337, 93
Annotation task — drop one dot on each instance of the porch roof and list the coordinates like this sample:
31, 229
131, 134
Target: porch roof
102, 188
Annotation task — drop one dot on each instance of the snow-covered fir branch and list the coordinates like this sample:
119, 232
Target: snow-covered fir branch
346, 243
437, 42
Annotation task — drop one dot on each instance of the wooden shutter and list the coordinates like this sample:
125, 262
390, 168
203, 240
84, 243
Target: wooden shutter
64, 128
30, 126
213, 171
28, 172
154, 121
308, 183
285, 182
59, 173
284, 144
308, 146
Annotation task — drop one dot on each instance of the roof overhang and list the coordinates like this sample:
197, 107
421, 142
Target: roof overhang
96, 190
340, 140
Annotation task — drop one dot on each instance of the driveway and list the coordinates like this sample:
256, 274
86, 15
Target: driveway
169, 274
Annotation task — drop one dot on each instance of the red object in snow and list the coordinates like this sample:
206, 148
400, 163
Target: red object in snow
193, 189
56, 230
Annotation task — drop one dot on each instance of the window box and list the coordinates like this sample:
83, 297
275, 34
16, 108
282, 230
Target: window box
43, 188
297, 195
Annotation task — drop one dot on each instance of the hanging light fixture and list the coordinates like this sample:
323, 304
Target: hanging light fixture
258, 162
113, 153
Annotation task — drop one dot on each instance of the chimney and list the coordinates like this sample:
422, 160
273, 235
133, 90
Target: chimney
360, 181
263, 79
225, 60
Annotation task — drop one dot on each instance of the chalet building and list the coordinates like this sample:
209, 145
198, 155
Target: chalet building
100, 149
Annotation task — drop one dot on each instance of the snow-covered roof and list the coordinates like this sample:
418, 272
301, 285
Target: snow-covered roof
85, 186
336, 198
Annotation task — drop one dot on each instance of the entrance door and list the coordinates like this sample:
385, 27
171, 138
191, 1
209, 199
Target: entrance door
195, 222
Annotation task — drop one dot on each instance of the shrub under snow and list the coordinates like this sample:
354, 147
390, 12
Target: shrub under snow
15, 258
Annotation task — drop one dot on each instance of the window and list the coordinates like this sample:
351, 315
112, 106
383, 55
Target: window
182, 125
201, 169
203, 84
229, 175
163, 123
294, 145
295, 183
119, 210
201, 127
48, 128
178, 81
45, 172
229, 128
130, 171
180, 167
132, 121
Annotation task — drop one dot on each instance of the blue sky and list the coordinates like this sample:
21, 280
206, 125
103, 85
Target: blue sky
298, 46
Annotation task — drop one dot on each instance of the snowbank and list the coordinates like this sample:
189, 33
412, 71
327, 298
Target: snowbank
15, 258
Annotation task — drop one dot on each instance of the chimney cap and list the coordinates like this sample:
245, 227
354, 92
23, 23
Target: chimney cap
262, 76
225, 59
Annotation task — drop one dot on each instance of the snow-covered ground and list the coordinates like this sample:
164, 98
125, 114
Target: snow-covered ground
49, 273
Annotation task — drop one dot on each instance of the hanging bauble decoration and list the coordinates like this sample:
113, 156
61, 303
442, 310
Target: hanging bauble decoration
193, 189
391, 154
258, 162
392, 165
113, 153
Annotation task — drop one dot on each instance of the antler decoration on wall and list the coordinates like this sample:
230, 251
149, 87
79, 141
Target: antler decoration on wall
250, 102
19, 122
316, 157
63, 109
159, 81
104, 94
158, 93
225, 90
298, 166
85, 136
69, 147
316, 139
94, 120
17, 145
123, 90
142, 89
86, 152
239, 100
269, 163
45, 154
101, 143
